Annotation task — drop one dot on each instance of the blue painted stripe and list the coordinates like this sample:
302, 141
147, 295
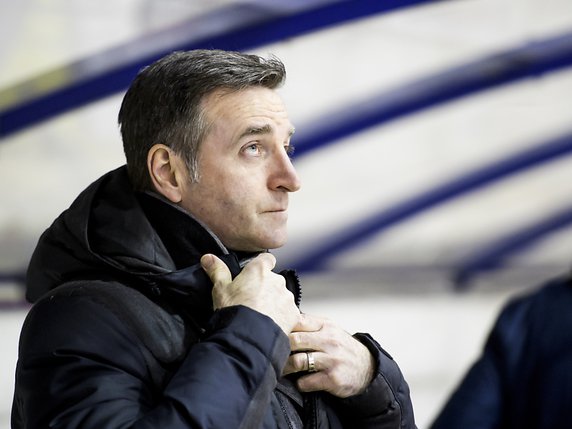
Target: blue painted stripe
112, 71
493, 255
533, 59
361, 230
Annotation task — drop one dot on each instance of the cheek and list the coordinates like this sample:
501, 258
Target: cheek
236, 195
235, 210
224, 206
228, 201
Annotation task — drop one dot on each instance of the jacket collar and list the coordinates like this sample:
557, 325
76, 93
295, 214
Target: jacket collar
185, 238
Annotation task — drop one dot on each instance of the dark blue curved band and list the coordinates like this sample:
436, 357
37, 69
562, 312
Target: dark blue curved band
245, 27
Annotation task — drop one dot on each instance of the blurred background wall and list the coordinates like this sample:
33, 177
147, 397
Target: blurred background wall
391, 216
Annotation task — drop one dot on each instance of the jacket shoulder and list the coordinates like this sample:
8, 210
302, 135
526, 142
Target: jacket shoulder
162, 332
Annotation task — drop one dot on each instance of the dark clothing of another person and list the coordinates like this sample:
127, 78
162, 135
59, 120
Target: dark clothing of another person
122, 333
523, 380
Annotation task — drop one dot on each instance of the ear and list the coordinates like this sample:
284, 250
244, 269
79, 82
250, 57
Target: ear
167, 172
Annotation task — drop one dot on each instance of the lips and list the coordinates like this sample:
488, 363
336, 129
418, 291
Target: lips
277, 211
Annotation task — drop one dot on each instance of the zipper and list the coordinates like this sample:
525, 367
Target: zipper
285, 412
293, 285
311, 408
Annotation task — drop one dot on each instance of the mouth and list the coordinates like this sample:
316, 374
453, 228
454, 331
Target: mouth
277, 213
279, 210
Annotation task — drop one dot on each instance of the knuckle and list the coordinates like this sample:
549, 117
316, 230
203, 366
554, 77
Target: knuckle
328, 324
289, 363
280, 280
300, 361
339, 381
332, 345
295, 340
286, 298
251, 268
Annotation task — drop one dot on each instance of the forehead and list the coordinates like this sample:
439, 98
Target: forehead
253, 106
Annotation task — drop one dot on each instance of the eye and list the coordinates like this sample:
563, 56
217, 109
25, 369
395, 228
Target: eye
252, 149
290, 149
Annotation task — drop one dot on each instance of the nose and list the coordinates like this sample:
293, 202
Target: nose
283, 175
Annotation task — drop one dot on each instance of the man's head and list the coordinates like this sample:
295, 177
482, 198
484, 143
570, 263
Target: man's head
217, 144
163, 104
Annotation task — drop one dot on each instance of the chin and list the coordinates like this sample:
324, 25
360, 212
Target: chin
275, 244
260, 243
258, 247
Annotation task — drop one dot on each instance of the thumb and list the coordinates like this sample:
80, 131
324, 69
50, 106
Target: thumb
216, 269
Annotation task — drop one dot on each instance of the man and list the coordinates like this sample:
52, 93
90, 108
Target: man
524, 377
155, 301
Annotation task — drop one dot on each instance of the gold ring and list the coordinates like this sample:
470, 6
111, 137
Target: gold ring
311, 362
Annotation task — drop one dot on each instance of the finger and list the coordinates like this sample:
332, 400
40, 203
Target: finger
264, 261
297, 362
300, 342
308, 334
301, 362
216, 269
309, 323
314, 382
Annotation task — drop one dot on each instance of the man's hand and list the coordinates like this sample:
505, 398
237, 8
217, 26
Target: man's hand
257, 287
343, 366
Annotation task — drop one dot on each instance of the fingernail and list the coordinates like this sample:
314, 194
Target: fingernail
207, 261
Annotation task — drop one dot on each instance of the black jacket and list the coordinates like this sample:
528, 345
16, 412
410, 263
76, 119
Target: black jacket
122, 332
523, 380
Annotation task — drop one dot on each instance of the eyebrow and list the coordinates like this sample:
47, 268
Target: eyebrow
264, 129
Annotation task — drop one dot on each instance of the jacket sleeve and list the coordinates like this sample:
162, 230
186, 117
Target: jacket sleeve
386, 403
79, 366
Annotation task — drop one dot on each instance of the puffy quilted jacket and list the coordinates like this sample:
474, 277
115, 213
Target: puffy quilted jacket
122, 332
